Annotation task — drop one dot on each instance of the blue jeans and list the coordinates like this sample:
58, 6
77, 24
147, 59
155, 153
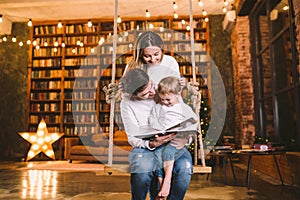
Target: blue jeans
165, 153
143, 179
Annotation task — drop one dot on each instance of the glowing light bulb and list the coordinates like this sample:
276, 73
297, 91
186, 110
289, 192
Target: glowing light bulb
119, 20
200, 3
226, 3
175, 15
224, 10
4, 39
90, 24
63, 45
204, 13
175, 5
14, 39
28, 42
55, 44
148, 13
29, 23
20, 43
59, 24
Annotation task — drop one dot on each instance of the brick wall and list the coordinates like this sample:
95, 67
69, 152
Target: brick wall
243, 85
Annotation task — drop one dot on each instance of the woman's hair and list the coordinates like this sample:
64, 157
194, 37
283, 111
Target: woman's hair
134, 81
170, 84
146, 39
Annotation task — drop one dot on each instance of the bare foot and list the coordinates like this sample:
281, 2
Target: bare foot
165, 189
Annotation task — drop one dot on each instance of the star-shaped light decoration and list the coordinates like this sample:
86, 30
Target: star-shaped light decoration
41, 141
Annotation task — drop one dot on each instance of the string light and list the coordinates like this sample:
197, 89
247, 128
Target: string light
14, 39
204, 13
45, 43
101, 41
28, 42
29, 23
147, 13
183, 21
90, 24
151, 26
119, 20
175, 15
63, 44
200, 3
4, 39
21, 44
224, 10
175, 5
1, 20
226, 3
59, 25
206, 19
55, 44
285, 7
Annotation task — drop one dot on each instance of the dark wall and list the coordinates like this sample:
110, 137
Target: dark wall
220, 52
13, 86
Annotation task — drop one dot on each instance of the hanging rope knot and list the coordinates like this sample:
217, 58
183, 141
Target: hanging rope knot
111, 91
193, 87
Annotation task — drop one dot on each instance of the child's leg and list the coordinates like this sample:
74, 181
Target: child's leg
168, 163
166, 183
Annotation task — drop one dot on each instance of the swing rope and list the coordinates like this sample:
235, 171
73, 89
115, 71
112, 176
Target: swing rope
113, 100
196, 95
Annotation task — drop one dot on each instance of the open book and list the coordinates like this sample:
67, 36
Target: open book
187, 125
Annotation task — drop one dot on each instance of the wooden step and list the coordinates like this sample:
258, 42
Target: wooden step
199, 169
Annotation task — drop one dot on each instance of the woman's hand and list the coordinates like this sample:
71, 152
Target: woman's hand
160, 140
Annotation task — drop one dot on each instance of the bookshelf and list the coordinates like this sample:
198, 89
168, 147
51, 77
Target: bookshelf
68, 67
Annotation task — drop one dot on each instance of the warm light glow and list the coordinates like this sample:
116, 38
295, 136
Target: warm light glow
63, 44
4, 39
40, 133
175, 5
35, 147
90, 24
200, 3
101, 40
151, 26
29, 23
92, 50
32, 138
147, 13
34, 43
224, 10
175, 15
45, 43
59, 24
37, 47
41, 141
226, 3
183, 21
55, 49
119, 20
78, 42
55, 44
204, 13
25, 136
161, 29
20, 43
14, 39
188, 28
285, 8
28, 42
206, 19
73, 50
